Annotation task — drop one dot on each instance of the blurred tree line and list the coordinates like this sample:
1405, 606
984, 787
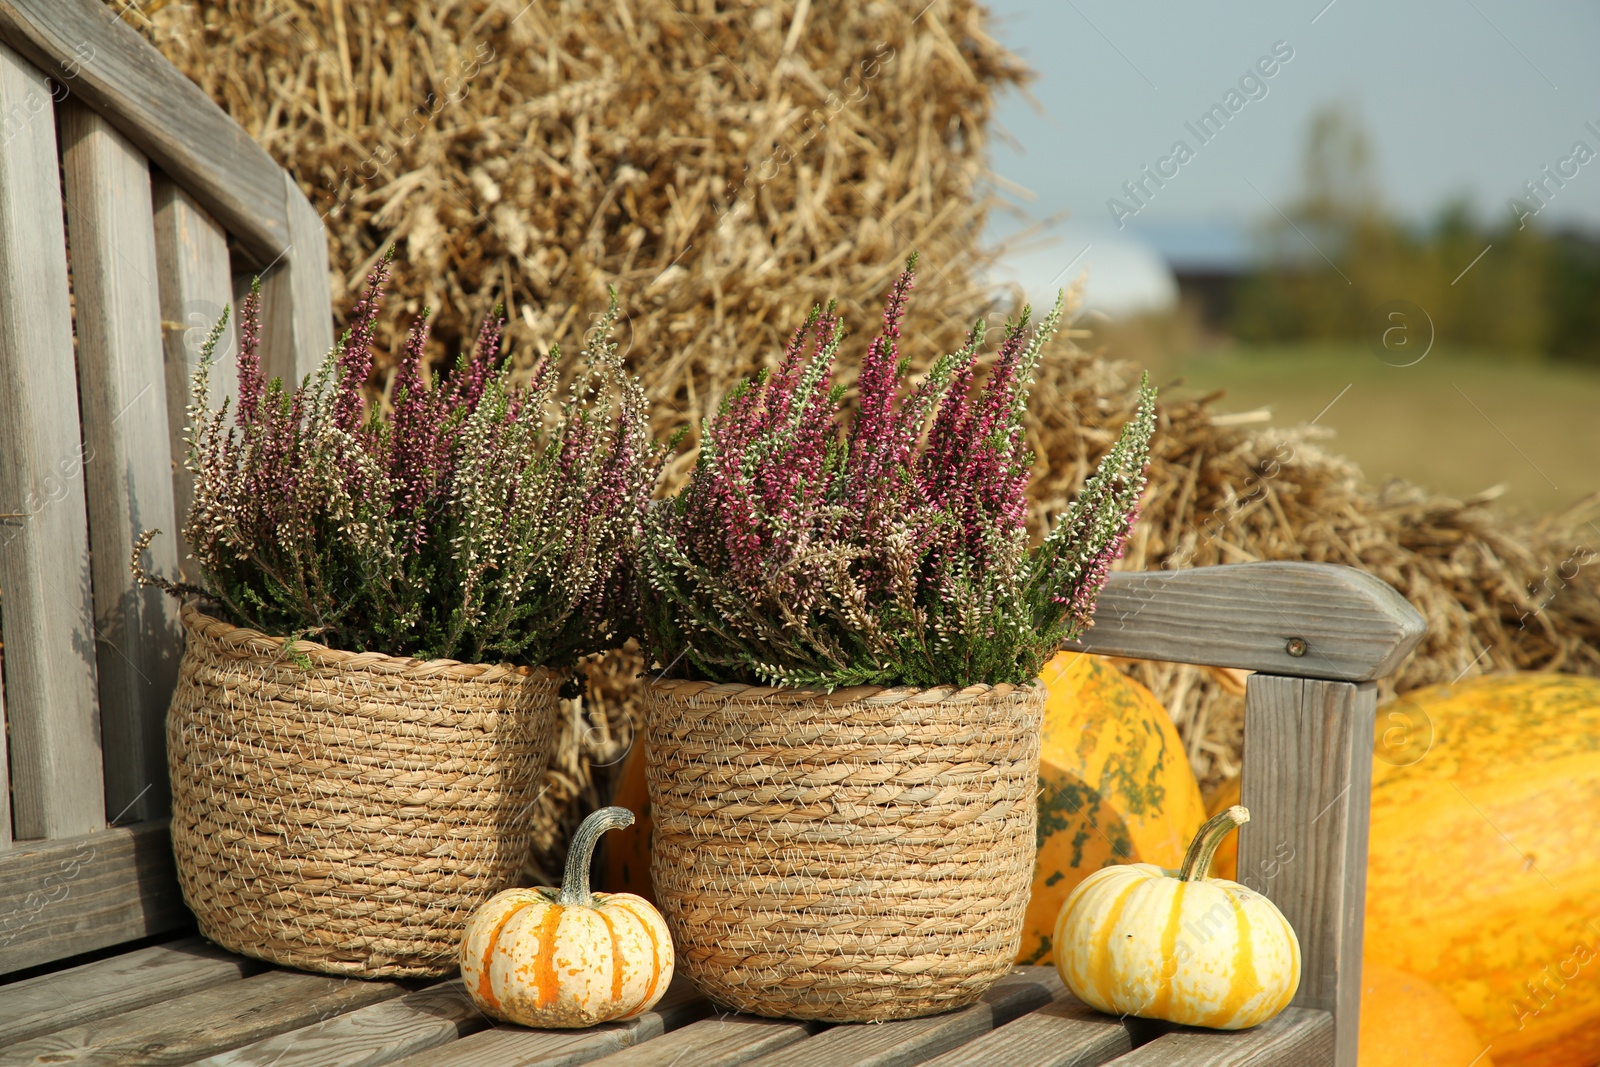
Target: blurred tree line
1533, 291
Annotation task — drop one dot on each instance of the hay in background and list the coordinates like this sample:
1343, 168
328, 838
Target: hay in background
728, 166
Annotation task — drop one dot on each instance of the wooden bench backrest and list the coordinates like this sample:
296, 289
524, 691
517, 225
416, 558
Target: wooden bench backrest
132, 210
1318, 636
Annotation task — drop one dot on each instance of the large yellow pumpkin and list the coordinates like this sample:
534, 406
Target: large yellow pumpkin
1226, 863
568, 957
1406, 1022
1483, 874
1139, 940
1115, 787
626, 863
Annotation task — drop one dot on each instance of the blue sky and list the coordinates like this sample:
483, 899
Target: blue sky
1462, 99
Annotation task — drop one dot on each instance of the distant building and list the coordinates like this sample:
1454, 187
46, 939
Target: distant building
1209, 261
1123, 274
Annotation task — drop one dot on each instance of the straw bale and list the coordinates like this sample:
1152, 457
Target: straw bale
725, 166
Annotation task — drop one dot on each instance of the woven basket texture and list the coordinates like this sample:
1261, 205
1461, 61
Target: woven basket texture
853, 856
350, 816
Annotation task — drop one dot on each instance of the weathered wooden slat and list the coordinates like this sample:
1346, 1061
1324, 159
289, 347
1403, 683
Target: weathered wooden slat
721, 1041
1299, 1037
97, 58
308, 284
1307, 781
111, 230
296, 312
60, 898
44, 559
366, 1037
187, 1028
911, 1041
277, 320
5, 794
196, 286
513, 1046
1345, 624
122, 983
1063, 1033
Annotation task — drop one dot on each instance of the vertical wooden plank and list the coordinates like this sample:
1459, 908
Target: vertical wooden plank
308, 281
296, 312
195, 285
5, 794
44, 561
122, 394
1307, 781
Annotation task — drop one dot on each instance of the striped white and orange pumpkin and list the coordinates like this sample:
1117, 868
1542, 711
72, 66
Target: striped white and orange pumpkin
1138, 940
563, 958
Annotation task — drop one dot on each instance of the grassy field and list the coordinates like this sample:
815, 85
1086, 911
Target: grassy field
1456, 422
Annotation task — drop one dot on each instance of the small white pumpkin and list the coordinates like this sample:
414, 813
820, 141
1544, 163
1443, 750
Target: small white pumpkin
566, 958
1138, 940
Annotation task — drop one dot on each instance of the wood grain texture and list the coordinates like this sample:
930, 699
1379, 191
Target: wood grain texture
296, 312
514, 1046
60, 898
82, 994
911, 1041
5, 794
123, 401
52, 712
1307, 781
107, 65
1299, 1037
196, 286
1063, 1033
721, 1041
367, 1037
1355, 627
199, 1024
308, 284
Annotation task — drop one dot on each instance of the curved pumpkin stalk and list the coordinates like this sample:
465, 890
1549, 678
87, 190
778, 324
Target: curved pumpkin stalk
1197, 861
580, 856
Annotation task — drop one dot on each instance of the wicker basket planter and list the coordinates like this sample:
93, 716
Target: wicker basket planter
862, 855
348, 817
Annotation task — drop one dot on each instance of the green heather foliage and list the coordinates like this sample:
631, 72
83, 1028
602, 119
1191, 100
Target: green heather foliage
471, 518
894, 552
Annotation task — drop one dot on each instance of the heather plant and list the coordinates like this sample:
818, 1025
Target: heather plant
893, 551
470, 518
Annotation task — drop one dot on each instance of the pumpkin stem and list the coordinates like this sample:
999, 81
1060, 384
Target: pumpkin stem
1197, 861
580, 855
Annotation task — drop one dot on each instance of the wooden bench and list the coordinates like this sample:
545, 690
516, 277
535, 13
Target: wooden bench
169, 209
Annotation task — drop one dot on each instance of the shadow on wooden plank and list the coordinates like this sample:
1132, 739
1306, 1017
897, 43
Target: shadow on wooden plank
84, 893
911, 1041
117, 984
1063, 1033
200, 1024
367, 1037
1298, 1037
506, 1045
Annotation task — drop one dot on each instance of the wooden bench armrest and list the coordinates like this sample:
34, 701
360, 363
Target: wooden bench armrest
1306, 620
1317, 636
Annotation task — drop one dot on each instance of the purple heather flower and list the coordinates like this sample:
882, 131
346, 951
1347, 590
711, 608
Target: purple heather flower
473, 519
891, 552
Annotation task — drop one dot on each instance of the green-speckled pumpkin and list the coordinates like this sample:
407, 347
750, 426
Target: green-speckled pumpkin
1115, 787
